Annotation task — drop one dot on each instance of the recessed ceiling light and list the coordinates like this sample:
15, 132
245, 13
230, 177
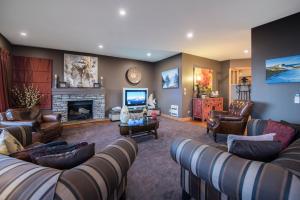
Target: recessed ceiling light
190, 35
149, 54
246, 51
122, 12
100, 46
23, 34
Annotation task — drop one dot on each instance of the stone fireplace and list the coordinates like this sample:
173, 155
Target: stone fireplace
68, 101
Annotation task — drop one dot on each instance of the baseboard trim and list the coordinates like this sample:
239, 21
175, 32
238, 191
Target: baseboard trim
85, 122
181, 119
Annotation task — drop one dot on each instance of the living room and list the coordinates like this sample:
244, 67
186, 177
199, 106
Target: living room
98, 100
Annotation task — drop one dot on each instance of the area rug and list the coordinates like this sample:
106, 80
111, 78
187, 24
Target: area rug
153, 175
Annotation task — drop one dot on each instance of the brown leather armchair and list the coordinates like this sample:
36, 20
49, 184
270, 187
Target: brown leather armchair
48, 127
233, 121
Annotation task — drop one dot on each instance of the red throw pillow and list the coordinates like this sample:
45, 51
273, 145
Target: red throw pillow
284, 134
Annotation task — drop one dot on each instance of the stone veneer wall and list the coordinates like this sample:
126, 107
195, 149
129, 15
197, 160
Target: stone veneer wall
60, 104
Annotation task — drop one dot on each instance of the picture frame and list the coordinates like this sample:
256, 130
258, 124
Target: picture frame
283, 70
80, 71
170, 78
62, 84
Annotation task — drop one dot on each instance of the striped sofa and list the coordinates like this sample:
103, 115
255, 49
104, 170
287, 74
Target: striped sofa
104, 176
211, 173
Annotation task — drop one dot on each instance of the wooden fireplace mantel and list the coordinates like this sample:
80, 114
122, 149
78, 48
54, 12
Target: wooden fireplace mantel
83, 91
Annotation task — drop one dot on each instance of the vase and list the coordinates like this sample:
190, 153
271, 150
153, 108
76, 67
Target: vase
124, 115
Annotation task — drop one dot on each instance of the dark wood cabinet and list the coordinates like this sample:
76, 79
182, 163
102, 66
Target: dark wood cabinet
202, 107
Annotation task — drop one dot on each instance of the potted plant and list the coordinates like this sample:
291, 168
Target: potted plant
26, 96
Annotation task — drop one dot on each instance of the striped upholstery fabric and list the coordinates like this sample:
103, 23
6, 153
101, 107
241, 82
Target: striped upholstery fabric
256, 127
102, 176
233, 177
21, 180
22, 133
289, 158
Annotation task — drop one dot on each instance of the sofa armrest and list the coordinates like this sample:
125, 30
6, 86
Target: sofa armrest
51, 118
236, 177
101, 175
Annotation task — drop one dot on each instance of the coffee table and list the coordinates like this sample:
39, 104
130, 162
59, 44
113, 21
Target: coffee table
139, 128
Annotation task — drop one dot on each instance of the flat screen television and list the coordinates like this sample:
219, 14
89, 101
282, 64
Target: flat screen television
135, 97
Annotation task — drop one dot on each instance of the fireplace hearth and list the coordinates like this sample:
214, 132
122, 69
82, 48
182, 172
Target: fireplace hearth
80, 110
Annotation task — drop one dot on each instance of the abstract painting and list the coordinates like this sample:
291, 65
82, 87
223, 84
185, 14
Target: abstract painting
170, 78
80, 71
283, 70
203, 77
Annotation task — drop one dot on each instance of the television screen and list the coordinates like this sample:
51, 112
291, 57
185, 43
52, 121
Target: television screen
283, 70
135, 97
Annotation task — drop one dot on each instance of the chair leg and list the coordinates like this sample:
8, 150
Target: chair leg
185, 195
215, 137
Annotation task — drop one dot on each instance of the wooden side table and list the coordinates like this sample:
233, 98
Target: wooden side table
202, 107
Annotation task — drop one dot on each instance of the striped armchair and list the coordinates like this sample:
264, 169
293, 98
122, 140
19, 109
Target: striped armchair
104, 176
210, 173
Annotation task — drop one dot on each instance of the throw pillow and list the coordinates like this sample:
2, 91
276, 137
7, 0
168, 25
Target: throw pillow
256, 150
266, 137
26, 153
284, 133
55, 150
11, 143
296, 127
67, 160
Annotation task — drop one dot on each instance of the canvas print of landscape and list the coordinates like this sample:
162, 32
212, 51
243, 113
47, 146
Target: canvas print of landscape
170, 78
80, 71
283, 70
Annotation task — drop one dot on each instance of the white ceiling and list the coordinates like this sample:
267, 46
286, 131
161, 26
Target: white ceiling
221, 27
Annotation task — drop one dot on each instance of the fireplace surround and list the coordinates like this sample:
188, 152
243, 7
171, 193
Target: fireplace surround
61, 98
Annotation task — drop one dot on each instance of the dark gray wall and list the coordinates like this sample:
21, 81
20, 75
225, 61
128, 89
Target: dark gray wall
112, 69
188, 64
168, 97
224, 82
276, 39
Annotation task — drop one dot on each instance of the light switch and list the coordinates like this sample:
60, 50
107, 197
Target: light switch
297, 98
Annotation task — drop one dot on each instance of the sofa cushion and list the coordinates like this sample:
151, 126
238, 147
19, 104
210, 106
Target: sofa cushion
69, 159
256, 150
9, 144
285, 134
289, 158
36, 147
296, 127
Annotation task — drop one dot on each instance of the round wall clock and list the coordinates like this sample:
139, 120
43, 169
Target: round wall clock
133, 75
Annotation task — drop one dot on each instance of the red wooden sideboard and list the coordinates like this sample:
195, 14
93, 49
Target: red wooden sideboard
202, 107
